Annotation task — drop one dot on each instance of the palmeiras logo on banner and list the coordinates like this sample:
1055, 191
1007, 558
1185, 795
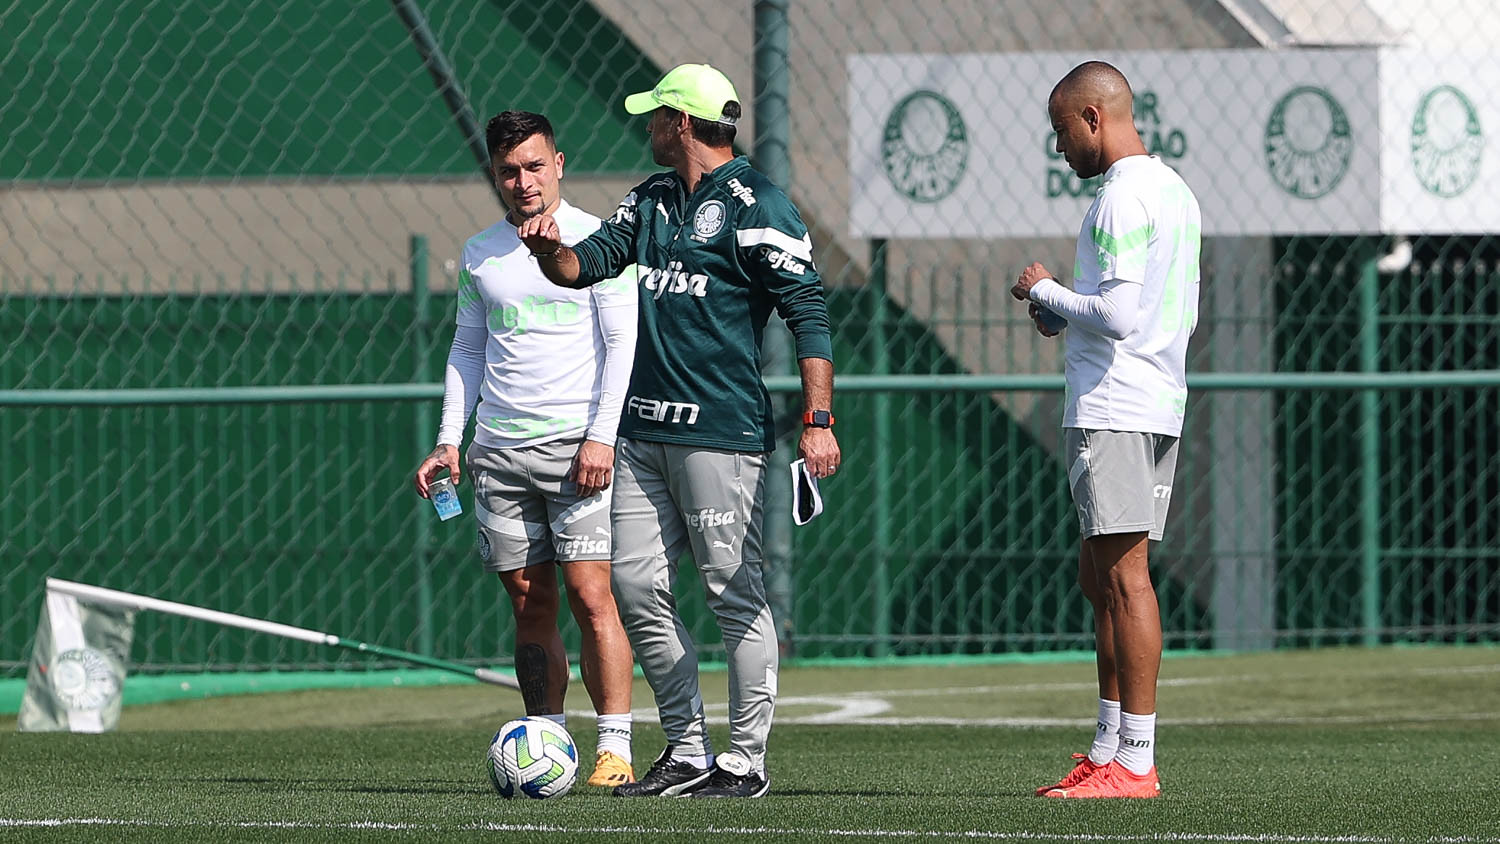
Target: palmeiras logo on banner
1446, 141
925, 146
1308, 142
84, 679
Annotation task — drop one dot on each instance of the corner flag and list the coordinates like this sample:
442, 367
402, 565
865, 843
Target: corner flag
77, 671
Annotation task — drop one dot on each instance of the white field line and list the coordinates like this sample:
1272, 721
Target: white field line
1017, 688
804, 832
1459, 669
1023, 722
868, 707
865, 712
1171, 682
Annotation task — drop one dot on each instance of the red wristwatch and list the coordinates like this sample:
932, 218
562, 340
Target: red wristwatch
818, 418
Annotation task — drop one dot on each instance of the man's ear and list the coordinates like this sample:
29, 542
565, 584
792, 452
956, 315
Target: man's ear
559, 166
1092, 117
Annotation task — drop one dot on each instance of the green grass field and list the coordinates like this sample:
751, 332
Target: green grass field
1355, 746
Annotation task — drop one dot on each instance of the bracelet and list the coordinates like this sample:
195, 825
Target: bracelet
547, 254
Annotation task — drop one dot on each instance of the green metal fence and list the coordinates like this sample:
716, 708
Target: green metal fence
227, 282
949, 531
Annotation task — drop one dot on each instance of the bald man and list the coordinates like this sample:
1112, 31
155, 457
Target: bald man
1127, 320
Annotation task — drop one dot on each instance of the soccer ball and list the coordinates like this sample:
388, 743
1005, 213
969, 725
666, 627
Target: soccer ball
532, 757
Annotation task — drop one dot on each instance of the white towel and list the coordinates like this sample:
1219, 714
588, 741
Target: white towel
807, 502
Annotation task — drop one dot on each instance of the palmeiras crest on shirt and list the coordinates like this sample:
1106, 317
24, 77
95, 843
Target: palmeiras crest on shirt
1308, 142
1446, 142
84, 679
708, 219
925, 146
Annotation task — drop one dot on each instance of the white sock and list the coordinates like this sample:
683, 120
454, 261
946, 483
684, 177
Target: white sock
560, 719
614, 735
1106, 733
702, 763
1137, 742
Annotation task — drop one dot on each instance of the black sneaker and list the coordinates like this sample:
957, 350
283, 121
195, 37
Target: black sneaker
732, 777
668, 777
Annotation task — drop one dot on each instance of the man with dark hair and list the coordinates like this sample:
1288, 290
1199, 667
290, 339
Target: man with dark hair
719, 246
549, 369
1128, 319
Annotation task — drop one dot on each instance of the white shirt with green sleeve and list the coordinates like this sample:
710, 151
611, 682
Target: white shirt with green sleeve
544, 362
1134, 303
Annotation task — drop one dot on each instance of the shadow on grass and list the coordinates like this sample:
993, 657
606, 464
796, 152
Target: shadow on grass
353, 786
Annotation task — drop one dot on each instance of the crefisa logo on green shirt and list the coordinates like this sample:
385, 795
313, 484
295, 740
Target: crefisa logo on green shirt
925, 148
1308, 142
1446, 141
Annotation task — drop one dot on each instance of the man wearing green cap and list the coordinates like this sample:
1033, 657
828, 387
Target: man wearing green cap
719, 246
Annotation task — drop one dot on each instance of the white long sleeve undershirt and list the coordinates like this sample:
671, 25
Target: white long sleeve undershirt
461, 379
1113, 312
618, 327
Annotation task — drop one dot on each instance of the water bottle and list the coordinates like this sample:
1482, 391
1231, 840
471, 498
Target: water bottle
444, 498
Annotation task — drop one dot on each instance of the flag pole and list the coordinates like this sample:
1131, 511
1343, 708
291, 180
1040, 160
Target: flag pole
100, 595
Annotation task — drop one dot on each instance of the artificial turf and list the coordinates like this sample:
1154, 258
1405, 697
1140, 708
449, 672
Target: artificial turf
1350, 746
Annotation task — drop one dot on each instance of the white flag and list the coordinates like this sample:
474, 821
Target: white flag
77, 672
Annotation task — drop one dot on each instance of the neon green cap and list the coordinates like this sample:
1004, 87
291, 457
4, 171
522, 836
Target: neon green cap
697, 89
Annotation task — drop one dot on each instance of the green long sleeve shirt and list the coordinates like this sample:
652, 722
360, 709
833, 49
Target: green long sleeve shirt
712, 266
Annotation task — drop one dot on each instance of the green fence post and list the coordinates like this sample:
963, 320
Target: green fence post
1369, 446
882, 468
420, 298
772, 136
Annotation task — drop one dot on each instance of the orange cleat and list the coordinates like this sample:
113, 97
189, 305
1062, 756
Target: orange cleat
1113, 781
611, 770
1083, 767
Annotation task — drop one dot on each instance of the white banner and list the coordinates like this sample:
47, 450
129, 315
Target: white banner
1437, 174
1272, 142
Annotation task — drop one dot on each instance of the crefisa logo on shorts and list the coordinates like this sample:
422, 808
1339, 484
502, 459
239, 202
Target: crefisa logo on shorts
84, 679
579, 547
709, 517
1446, 142
925, 146
1308, 142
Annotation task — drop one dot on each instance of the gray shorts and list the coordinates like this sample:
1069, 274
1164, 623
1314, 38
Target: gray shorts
529, 511
1121, 480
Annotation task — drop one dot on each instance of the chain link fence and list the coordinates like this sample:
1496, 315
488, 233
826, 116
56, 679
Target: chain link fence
267, 194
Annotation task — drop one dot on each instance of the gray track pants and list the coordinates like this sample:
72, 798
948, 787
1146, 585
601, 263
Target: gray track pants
671, 498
